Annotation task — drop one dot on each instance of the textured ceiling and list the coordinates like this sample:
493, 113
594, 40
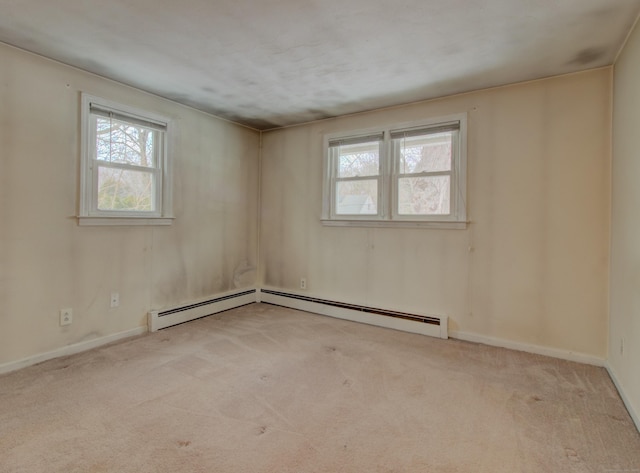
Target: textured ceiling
270, 63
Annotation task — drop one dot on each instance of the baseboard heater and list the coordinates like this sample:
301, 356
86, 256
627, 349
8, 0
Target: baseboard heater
159, 319
435, 326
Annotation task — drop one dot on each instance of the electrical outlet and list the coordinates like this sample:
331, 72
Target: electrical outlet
115, 299
621, 346
303, 283
66, 316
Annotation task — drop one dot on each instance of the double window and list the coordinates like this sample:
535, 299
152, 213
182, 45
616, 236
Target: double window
125, 176
413, 174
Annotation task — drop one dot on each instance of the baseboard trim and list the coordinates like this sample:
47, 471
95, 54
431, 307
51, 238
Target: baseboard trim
633, 412
437, 326
529, 348
168, 317
69, 350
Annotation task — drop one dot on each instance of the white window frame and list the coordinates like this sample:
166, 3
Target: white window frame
335, 179
388, 214
89, 213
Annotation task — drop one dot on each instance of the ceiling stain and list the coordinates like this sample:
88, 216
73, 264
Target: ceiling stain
284, 62
588, 56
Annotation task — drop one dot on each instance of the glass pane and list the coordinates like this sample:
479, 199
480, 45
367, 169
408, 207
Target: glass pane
121, 142
426, 153
357, 197
424, 195
119, 189
360, 159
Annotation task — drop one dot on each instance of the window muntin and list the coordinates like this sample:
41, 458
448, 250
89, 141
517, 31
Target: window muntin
420, 180
125, 172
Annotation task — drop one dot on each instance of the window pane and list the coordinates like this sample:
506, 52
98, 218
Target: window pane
424, 195
360, 159
124, 143
426, 153
119, 189
357, 197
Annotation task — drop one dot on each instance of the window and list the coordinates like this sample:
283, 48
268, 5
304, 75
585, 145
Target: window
357, 182
411, 174
125, 175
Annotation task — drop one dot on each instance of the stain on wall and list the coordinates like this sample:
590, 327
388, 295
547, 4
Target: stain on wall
532, 265
49, 262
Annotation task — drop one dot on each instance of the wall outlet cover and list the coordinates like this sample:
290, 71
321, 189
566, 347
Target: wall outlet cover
66, 317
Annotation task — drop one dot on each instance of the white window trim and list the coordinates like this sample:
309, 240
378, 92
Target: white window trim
332, 176
387, 216
87, 212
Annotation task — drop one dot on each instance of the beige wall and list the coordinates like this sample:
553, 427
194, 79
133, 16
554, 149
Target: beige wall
48, 262
538, 193
625, 229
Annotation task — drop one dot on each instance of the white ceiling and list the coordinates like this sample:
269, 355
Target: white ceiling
270, 63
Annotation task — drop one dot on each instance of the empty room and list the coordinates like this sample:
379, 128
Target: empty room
319, 236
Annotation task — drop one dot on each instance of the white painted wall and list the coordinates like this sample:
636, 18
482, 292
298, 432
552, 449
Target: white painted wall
539, 200
625, 228
48, 262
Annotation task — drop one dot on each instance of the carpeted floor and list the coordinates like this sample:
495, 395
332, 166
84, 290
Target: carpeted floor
267, 389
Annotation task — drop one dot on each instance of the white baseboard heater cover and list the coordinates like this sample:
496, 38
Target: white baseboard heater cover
159, 319
435, 326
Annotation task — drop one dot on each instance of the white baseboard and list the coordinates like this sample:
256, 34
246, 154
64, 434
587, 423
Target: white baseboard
529, 348
295, 300
633, 412
168, 317
69, 350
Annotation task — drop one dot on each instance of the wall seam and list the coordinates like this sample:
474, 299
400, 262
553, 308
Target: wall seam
626, 39
258, 280
610, 216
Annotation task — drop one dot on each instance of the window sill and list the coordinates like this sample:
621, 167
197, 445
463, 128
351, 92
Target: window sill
442, 225
124, 221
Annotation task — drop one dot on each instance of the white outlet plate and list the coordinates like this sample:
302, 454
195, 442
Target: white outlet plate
66, 317
115, 299
303, 283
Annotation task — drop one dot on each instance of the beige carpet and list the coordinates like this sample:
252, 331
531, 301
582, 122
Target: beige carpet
267, 389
